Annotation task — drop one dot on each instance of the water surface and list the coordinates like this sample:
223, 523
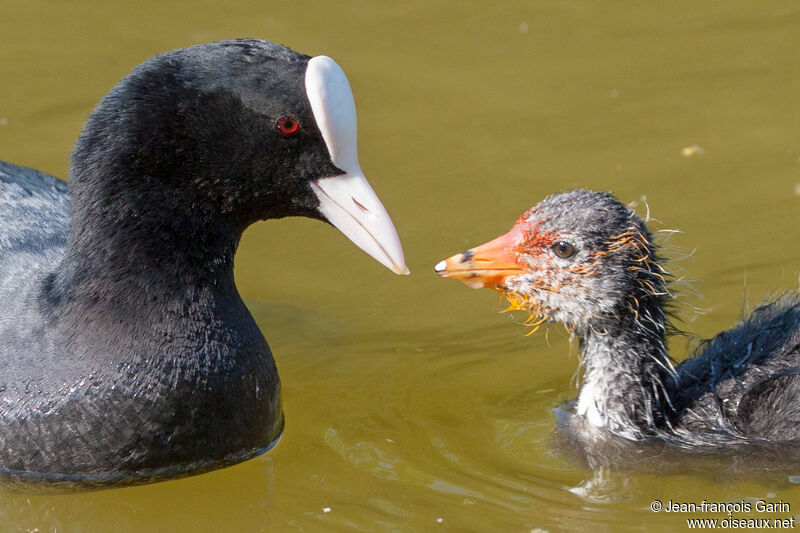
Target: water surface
412, 404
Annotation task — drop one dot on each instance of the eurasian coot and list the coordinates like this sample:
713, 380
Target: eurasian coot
126, 352
584, 259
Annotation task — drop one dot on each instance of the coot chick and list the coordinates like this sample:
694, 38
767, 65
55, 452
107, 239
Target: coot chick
126, 352
584, 259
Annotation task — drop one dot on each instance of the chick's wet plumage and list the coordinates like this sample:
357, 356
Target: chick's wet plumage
585, 259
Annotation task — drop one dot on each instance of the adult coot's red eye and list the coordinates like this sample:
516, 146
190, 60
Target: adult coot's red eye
121, 286
288, 125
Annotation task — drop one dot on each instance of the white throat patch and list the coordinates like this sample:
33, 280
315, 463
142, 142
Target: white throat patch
587, 402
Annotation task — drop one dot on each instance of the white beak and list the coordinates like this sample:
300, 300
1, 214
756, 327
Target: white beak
348, 201
350, 204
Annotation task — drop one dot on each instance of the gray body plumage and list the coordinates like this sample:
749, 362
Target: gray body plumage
584, 259
740, 387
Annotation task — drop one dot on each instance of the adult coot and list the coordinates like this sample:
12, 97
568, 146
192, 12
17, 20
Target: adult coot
126, 352
585, 259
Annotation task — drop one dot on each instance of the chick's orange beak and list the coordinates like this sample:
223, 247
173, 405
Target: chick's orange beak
487, 265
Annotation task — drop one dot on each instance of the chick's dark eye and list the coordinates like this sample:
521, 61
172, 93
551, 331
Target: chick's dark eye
564, 250
288, 125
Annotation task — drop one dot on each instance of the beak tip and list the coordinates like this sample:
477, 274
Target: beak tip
401, 270
440, 267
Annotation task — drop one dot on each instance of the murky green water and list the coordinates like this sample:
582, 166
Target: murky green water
411, 403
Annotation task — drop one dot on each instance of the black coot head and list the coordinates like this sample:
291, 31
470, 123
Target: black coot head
236, 131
